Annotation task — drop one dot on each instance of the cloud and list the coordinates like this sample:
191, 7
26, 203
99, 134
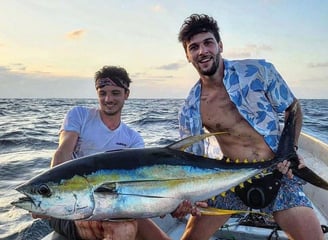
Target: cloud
172, 66
4, 69
150, 77
250, 50
20, 84
17, 67
158, 8
77, 34
318, 65
237, 54
254, 47
15, 84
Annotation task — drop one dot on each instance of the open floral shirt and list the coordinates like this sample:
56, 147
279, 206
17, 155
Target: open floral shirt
259, 93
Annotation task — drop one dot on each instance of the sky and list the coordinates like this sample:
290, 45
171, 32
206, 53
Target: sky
52, 49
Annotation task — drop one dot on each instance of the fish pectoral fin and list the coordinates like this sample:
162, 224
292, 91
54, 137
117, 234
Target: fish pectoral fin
209, 211
104, 192
143, 195
136, 187
188, 141
107, 187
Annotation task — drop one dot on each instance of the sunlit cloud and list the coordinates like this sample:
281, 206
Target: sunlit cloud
77, 34
157, 8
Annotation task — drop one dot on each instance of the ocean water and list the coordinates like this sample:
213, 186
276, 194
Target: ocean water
29, 137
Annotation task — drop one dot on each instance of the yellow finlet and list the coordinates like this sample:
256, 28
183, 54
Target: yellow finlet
218, 212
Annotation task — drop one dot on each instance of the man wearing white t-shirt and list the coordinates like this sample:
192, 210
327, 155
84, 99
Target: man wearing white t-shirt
87, 131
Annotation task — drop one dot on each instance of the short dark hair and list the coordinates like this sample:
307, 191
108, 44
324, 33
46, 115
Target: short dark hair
198, 23
115, 73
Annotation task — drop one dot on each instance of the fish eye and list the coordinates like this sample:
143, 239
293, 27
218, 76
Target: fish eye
44, 190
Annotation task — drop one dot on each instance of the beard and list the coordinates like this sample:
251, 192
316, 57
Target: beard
112, 111
213, 69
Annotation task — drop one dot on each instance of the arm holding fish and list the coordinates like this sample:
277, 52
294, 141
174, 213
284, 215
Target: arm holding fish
67, 143
284, 167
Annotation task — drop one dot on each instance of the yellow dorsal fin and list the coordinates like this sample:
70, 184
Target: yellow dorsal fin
223, 194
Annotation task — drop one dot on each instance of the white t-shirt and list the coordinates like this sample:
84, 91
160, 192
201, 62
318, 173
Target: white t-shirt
95, 136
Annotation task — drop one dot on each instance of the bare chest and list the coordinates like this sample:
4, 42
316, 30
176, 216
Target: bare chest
219, 113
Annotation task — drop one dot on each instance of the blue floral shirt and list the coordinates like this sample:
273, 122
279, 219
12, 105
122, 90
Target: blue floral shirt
259, 93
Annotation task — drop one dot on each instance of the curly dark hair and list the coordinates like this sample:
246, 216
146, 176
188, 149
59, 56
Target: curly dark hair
198, 23
115, 73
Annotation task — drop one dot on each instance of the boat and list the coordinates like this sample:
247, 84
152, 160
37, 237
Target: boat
254, 226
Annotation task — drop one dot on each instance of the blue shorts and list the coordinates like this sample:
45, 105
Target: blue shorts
290, 195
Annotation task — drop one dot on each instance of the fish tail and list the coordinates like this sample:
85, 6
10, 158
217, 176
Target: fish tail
286, 151
308, 175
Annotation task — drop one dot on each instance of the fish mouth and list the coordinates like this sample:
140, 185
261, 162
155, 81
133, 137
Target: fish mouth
25, 202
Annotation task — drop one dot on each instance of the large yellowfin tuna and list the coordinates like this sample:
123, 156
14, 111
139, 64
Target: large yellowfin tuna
141, 183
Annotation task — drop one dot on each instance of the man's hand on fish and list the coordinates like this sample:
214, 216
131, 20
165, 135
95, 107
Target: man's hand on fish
284, 167
186, 207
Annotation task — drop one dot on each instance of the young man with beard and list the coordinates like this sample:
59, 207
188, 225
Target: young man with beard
243, 98
87, 131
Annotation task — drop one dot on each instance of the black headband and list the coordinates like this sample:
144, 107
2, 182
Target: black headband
101, 82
